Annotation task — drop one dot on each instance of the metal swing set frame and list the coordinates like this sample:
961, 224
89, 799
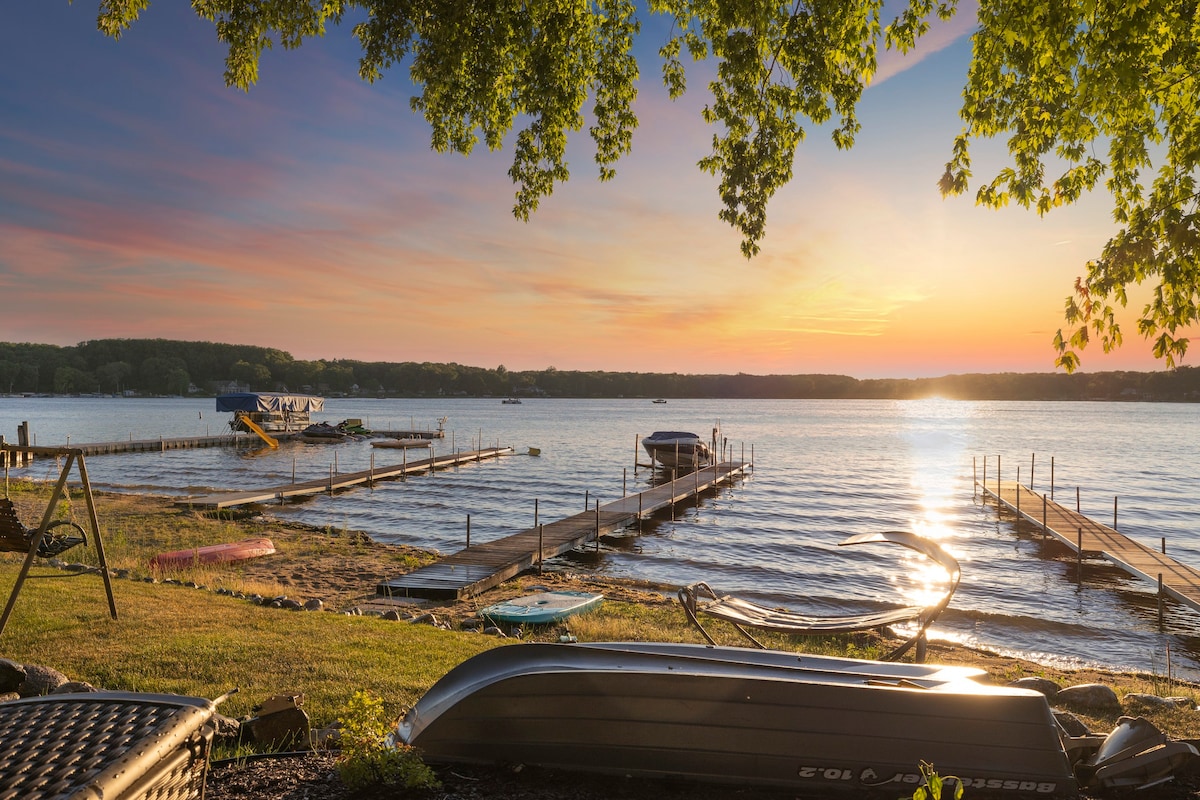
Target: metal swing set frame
43, 541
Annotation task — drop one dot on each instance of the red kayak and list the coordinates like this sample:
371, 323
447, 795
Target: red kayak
215, 553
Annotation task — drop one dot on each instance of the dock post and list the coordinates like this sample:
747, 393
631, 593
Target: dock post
1079, 555
1043, 518
535, 516
403, 463
597, 539
371, 482
1051, 477
1018, 490
1031, 457
751, 456
983, 485
1077, 500
1160, 601
587, 500
330, 485
1164, 545
1114, 512
624, 480
639, 512
635, 455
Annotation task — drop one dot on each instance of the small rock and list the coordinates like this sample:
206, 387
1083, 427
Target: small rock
471, 623
424, 619
122, 573
226, 729
1043, 685
40, 680
75, 566
392, 615
1089, 696
492, 630
12, 675
74, 687
313, 605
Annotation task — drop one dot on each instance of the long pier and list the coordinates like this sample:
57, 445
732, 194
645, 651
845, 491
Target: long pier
480, 567
334, 482
1085, 536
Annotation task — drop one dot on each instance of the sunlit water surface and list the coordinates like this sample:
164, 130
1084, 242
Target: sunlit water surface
823, 470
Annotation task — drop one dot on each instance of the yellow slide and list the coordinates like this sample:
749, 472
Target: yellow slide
252, 425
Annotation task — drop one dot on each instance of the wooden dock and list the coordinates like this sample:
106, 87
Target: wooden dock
482, 566
337, 481
1085, 536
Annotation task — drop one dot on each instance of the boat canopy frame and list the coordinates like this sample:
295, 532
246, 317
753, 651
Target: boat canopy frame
263, 402
699, 598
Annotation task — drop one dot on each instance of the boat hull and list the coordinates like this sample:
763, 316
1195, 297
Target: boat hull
677, 449
215, 553
740, 716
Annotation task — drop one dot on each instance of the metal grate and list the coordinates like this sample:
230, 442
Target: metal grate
119, 745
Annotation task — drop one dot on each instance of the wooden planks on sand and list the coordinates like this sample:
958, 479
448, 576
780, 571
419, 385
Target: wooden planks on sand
1086, 536
482, 566
334, 482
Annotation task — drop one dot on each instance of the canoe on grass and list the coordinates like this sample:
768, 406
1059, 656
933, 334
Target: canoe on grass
541, 608
215, 553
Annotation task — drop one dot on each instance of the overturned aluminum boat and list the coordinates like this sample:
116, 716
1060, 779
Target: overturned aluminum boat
760, 717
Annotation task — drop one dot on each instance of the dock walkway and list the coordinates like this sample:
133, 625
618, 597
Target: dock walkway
334, 482
482, 566
1086, 536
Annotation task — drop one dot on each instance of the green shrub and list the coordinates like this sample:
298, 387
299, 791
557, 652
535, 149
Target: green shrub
368, 759
932, 784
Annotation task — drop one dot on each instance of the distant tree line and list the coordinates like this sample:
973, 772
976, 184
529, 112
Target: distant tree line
167, 367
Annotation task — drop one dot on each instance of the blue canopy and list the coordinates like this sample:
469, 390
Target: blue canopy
269, 401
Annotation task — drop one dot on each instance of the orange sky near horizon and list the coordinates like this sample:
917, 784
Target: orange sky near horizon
140, 198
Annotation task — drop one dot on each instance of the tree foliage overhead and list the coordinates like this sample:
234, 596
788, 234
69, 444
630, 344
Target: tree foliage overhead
1089, 90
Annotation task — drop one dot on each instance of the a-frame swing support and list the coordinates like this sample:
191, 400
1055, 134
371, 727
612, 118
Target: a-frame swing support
73, 455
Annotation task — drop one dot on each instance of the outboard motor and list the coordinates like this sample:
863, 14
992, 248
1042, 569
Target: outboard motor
1135, 755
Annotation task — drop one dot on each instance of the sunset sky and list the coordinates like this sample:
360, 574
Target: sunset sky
141, 198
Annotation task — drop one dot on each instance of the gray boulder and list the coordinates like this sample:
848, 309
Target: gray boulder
1089, 696
1137, 700
40, 680
1043, 685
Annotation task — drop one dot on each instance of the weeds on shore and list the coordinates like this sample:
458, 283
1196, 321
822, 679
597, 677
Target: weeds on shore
367, 759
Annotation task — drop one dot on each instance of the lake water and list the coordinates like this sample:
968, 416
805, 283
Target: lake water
823, 470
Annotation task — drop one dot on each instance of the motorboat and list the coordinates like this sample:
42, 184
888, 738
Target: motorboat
769, 718
511, 401
271, 412
677, 449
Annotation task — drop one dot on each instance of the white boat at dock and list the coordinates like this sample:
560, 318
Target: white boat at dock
677, 449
